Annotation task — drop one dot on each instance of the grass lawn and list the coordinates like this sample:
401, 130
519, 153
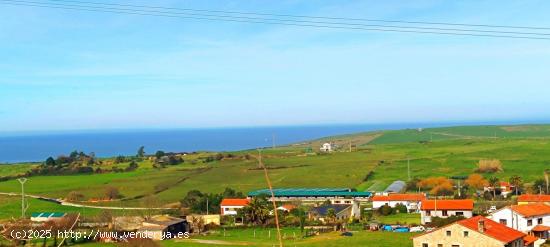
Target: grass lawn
10, 206
404, 219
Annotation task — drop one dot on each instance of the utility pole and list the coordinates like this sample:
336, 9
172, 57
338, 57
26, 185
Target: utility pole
409, 168
279, 237
273, 141
459, 188
22, 181
350, 146
206, 205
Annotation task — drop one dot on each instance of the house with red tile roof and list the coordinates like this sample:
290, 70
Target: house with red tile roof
445, 208
529, 198
524, 217
476, 231
411, 201
229, 206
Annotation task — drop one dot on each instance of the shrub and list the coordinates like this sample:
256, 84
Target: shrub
489, 166
439, 222
385, 210
400, 208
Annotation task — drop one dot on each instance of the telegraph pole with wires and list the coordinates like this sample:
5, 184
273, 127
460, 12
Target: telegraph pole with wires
279, 237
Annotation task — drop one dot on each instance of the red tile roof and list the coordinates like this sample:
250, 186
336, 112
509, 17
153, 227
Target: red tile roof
288, 207
528, 239
493, 229
530, 210
534, 198
400, 197
540, 228
466, 204
234, 202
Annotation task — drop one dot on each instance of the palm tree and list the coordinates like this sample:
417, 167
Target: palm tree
257, 210
331, 214
494, 182
516, 182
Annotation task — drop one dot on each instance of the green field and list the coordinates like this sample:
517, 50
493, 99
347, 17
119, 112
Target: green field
523, 150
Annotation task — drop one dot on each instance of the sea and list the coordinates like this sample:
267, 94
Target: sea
38, 146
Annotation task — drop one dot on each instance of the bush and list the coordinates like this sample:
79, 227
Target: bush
400, 208
385, 210
489, 166
439, 222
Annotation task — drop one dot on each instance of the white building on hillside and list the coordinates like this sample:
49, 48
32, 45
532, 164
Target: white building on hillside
326, 147
523, 217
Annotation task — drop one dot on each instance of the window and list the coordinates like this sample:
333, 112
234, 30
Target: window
539, 221
448, 233
439, 245
466, 234
459, 213
428, 212
424, 245
529, 222
455, 245
445, 213
503, 221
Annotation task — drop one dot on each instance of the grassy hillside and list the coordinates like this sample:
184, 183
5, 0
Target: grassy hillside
523, 150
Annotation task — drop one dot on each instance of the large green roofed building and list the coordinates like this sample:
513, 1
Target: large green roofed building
336, 195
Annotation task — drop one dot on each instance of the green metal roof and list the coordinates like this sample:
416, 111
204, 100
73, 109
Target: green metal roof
48, 215
311, 192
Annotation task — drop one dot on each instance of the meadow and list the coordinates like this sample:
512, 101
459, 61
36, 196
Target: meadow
523, 150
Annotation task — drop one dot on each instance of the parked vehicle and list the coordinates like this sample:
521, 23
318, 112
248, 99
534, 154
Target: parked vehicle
347, 234
401, 229
417, 229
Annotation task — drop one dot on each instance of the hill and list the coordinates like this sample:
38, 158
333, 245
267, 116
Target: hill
454, 151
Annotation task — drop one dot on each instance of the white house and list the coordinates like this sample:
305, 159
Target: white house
445, 208
523, 217
411, 201
326, 147
229, 206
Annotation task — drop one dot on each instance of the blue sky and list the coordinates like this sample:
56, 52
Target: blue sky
66, 70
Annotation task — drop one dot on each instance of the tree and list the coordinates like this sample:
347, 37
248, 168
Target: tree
257, 211
159, 154
495, 183
111, 193
476, 181
437, 185
538, 186
516, 182
141, 152
50, 161
120, 159
331, 215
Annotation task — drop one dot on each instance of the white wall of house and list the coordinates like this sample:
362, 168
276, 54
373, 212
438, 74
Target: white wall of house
517, 221
426, 215
230, 210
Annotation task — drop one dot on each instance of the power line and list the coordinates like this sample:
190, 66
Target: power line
311, 17
272, 19
260, 21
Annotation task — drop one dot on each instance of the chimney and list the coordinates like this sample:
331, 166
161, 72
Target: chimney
481, 225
